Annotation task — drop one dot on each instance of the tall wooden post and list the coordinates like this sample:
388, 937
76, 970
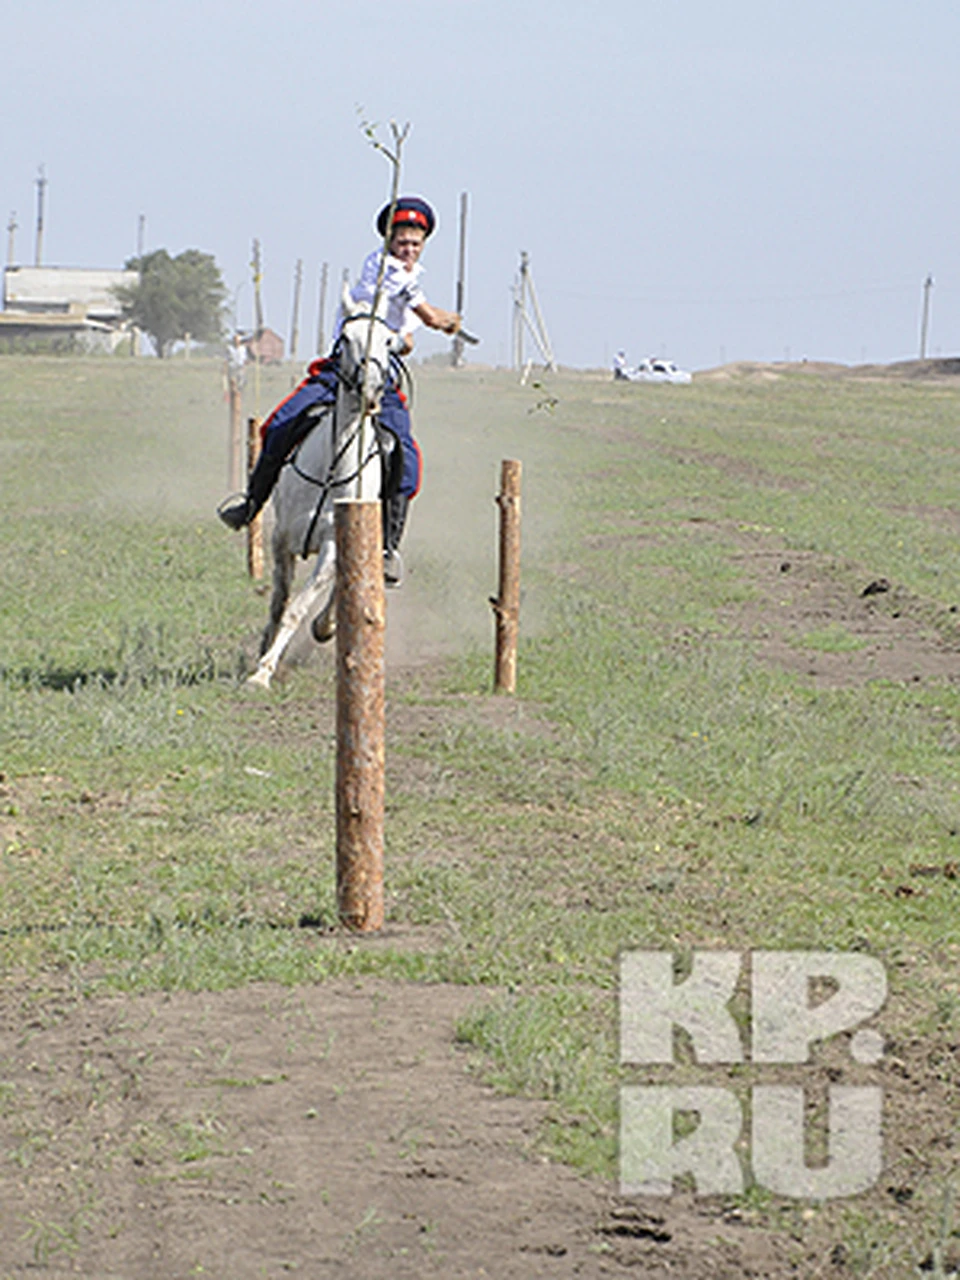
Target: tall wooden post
506, 605
255, 527
361, 624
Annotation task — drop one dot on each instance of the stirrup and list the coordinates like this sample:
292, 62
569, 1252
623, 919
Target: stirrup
236, 515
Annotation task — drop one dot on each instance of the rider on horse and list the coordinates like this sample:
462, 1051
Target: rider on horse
292, 420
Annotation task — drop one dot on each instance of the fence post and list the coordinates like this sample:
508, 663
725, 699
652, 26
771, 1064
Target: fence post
255, 527
361, 625
506, 605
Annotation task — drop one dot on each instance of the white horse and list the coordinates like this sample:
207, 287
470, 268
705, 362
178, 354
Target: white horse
327, 465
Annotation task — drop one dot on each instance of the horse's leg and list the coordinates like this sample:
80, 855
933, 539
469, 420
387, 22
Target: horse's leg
319, 583
283, 570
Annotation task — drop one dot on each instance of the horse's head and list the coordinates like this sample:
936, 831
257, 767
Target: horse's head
366, 342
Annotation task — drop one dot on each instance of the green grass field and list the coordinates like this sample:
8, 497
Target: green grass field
652, 785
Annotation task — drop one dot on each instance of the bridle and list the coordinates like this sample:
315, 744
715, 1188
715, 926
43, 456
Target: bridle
353, 381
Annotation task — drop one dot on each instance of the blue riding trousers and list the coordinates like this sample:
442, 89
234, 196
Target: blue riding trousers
289, 423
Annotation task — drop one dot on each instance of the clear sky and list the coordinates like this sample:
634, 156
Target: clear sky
706, 179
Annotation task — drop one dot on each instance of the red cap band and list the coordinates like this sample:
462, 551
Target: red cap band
411, 215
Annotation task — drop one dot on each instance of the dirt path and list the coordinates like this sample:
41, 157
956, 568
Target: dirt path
328, 1131
339, 1130
837, 625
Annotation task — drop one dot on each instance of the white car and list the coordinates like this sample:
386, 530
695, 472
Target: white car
659, 371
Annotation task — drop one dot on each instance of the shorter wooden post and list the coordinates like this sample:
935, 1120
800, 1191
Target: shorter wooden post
506, 605
255, 527
361, 626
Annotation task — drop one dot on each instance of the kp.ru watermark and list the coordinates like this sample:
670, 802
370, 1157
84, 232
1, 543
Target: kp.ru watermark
784, 1023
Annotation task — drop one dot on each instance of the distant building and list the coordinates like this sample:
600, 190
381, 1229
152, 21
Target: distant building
265, 346
67, 302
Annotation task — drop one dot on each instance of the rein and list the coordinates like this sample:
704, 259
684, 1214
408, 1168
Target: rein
328, 483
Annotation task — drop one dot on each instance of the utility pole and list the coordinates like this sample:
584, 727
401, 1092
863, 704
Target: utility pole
295, 318
41, 189
456, 355
11, 235
321, 336
519, 307
543, 341
141, 233
258, 320
257, 282
925, 318
525, 293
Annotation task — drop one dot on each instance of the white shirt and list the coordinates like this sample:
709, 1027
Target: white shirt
400, 285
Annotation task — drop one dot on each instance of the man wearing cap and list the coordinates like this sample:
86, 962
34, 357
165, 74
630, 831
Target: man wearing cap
291, 421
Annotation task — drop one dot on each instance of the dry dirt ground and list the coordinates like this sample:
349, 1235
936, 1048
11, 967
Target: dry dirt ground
799, 595
339, 1130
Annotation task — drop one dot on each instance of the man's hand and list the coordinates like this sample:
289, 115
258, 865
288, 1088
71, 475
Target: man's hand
437, 318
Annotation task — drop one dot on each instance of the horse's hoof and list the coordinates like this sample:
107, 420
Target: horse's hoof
259, 680
324, 627
392, 568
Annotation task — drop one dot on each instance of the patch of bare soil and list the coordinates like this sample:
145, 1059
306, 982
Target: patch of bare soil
836, 625
335, 1130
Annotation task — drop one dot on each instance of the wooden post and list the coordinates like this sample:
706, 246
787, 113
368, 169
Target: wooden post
255, 527
361, 623
506, 605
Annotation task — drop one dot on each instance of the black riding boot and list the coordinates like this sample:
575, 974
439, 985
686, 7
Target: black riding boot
394, 518
282, 440
260, 486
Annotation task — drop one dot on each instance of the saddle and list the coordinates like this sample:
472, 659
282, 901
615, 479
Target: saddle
388, 443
